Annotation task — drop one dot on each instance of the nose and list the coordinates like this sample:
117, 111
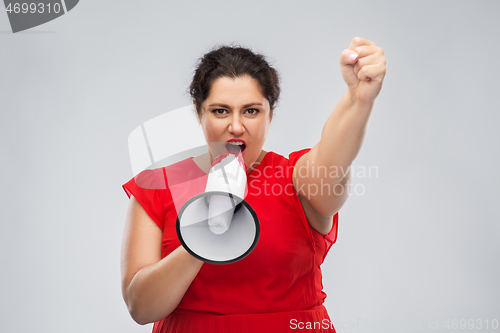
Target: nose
236, 126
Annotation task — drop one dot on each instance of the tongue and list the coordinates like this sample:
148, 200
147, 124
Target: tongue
234, 149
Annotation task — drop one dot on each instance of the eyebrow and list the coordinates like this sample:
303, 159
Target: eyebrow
228, 107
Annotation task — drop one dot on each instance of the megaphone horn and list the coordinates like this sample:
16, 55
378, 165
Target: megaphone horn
219, 226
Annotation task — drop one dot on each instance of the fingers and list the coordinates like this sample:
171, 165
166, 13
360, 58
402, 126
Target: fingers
371, 72
358, 41
359, 49
372, 59
368, 56
366, 50
348, 57
362, 61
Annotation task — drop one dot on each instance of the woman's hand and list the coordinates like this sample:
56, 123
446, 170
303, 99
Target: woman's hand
363, 69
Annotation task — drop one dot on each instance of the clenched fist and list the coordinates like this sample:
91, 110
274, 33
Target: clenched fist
363, 68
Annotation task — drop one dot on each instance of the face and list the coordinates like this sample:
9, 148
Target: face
236, 111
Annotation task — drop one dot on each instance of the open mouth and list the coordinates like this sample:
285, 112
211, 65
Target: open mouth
235, 147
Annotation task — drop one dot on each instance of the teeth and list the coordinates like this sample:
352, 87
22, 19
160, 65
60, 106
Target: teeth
235, 143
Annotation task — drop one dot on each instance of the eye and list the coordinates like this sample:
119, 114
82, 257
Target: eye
252, 111
219, 112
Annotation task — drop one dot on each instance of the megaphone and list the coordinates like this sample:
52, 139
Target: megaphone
219, 226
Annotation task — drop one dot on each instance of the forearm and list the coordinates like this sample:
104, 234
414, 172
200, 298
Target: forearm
341, 138
326, 180
156, 290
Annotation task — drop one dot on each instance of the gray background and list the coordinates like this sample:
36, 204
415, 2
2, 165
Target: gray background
419, 246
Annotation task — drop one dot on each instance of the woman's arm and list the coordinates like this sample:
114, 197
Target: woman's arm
324, 191
152, 287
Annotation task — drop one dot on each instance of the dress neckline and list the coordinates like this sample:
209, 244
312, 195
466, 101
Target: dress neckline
259, 166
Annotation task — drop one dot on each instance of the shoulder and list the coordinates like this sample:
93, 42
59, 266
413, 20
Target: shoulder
291, 161
273, 158
296, 155
148, 179
158, 178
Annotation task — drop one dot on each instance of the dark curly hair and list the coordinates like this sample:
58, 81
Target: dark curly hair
233, 62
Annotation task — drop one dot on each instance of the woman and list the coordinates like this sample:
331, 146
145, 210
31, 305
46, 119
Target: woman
277, 287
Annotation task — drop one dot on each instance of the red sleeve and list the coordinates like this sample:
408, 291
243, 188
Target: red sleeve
331, 237
146, 188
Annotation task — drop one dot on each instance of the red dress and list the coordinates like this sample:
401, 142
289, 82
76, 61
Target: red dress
278, 286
